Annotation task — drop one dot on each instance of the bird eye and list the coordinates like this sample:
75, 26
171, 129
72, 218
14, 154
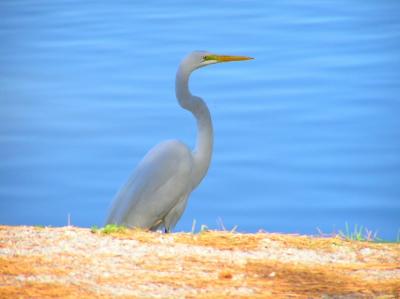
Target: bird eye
204, 58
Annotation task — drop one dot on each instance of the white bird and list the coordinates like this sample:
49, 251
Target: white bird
157, 192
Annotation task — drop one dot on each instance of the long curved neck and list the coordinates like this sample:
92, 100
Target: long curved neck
203, 149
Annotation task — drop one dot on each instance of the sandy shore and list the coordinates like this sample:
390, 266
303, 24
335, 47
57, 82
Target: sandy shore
71, 262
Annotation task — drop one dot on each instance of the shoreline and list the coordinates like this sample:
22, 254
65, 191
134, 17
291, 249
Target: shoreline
67, 262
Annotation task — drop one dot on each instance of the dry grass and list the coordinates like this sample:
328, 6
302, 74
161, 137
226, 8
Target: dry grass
73, 262
42, 290
23, 265
221, 240
314, 280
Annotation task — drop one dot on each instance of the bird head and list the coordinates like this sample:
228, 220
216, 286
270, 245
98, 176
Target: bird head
198, 59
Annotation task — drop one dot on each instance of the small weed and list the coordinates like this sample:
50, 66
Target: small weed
221, 224
193, 226
94, 229
223, 227
359, 233
113, 228
108, 229
203, 228
234, 229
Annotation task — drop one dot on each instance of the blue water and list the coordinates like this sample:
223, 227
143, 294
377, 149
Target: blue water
306, 136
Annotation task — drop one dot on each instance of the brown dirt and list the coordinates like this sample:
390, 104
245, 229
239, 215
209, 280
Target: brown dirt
70, 262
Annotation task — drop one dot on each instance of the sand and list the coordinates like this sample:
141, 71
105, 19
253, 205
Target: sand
72, 262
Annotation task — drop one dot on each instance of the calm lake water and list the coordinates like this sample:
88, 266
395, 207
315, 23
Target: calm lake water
306, 136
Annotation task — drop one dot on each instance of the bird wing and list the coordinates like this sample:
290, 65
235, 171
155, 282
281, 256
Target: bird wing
161, 179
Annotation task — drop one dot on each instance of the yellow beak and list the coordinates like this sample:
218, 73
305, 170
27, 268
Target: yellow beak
226, 58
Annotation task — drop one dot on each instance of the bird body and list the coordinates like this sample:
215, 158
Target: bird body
156, 193
161, 181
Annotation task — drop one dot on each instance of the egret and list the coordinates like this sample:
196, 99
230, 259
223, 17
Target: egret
157, 192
